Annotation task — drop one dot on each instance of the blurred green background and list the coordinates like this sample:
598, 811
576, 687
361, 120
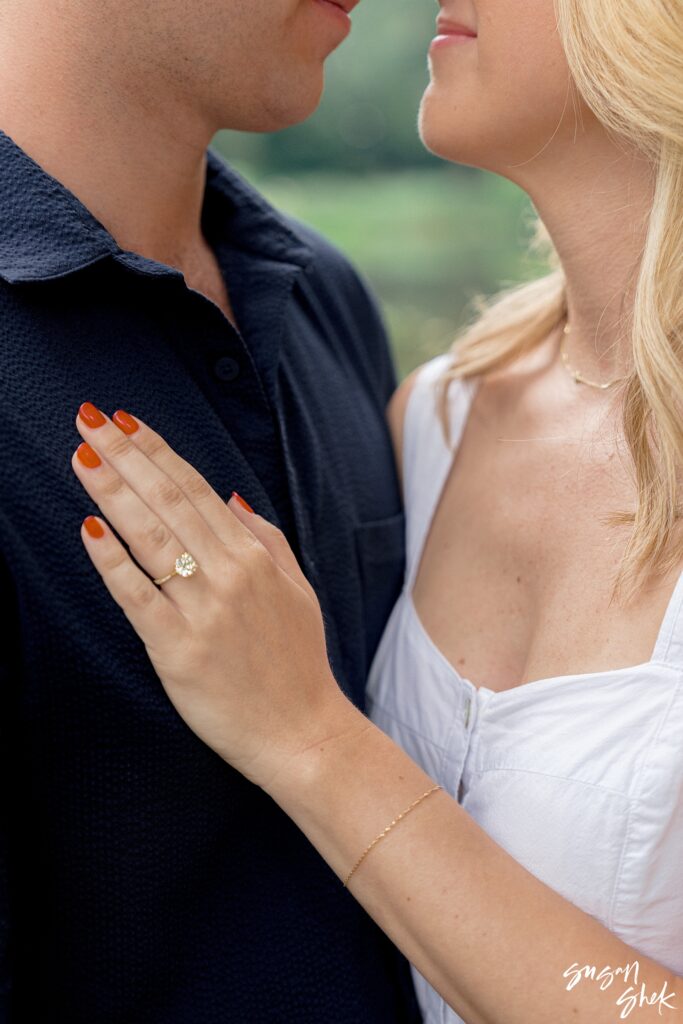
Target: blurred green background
430, 237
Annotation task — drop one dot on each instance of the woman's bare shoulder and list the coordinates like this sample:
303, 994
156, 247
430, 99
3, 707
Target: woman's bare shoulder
396, 412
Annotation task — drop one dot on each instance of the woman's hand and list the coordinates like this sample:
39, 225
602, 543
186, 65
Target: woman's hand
240, 645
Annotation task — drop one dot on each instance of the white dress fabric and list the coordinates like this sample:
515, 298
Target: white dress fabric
578, 777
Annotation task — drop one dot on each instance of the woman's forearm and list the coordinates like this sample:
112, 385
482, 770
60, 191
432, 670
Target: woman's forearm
490, 937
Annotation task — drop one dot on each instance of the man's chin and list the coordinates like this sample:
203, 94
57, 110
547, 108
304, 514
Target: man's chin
304, 108
274, 113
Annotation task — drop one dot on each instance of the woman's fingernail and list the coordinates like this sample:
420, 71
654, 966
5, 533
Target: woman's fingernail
88, 456
91, 415
125, 422
243, 503
94, 527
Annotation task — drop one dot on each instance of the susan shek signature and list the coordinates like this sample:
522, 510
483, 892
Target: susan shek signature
635, 994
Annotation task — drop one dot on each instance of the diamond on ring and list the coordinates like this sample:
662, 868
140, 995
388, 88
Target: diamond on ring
185, 564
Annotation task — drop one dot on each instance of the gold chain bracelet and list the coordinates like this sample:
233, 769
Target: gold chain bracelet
387, 830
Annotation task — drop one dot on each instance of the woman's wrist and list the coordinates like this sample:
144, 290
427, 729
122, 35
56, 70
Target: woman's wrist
326, 740
343, 790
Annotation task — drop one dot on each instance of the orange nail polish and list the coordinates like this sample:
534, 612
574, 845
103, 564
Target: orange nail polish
94, 527
88, 456
243, 503
125, 422
91, 415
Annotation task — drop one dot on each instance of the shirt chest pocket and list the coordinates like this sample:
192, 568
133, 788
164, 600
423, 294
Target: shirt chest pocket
381, 551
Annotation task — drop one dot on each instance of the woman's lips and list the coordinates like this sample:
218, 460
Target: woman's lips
450, 33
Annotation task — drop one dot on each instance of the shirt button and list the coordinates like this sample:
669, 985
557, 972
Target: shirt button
226, 368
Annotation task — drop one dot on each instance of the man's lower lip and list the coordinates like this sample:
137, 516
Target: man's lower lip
334, 9
451, 39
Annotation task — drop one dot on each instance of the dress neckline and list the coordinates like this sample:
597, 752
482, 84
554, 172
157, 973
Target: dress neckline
672, 613
658, 656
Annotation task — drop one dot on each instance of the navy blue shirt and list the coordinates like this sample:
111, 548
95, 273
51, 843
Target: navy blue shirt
143, 880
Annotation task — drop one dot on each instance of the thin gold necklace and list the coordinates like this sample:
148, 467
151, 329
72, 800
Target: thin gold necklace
576, 374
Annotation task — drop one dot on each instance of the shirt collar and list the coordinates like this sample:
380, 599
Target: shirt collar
254, 226
46, 232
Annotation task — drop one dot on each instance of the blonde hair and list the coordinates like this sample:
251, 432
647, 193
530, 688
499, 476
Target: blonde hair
626, 60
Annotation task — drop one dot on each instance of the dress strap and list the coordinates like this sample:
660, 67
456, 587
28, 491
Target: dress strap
427, 456
669, 647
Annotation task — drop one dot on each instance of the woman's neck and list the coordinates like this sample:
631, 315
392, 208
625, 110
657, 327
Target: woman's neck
595, 204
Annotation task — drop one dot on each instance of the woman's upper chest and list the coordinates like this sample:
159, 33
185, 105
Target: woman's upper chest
514, 576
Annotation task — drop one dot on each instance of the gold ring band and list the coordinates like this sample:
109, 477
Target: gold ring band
185, 565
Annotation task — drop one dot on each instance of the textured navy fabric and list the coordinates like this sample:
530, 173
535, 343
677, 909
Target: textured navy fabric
143, 880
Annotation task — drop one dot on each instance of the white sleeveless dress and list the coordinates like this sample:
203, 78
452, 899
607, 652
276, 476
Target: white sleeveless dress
578, 777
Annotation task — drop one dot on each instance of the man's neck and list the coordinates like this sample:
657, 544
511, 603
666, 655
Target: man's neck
132, 154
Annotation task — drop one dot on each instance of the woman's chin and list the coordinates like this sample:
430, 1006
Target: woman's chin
438, 131
447, 133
